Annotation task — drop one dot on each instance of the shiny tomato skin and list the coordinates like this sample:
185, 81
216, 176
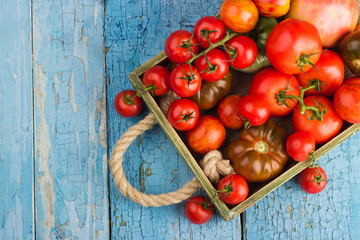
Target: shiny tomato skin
239, 186
184, 87
239, 16
195, 212
246, 49
227, 112
307, 180
347, 100
127, 104
324, 130
183, 114
299, 145
272, 8
268, 82
255, 109
329, 69
208, 134
213, 24
357, 28
288, 41
159, 77
178, 54
218, 60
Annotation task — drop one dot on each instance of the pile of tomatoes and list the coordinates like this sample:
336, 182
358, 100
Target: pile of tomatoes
295, 73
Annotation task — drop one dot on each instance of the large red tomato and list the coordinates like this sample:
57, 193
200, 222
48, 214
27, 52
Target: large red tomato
272, 8
333, 18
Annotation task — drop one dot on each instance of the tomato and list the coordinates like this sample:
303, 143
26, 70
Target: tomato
357, 28
127, 103
209, 26
156, 80
179, 45
313, 179
208, 134
324, 130
245, 52
239, 15
185, 80
300, 145
227, 112
292, 45
268, 82
347, 100
259, 154
215, 67
233, 189
272, 8
254, 109
198, 209
183, 114
329, 70
349, 51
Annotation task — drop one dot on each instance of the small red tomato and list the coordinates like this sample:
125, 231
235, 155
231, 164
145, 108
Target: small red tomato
179, 45
299, 145
198, 209
210, 26
233, 189
215, 67
254, 109
185, 81
183, 114
227, 112
156, 80
127, 103
313, 179
241, 52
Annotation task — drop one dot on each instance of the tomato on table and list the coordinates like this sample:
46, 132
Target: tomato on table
213, 66
185, 80
313, 179
127, 103
198, 209
227, 112
156, 80
300, 145
179, 45
183, 114
254, 109
233, 189
210, 28
241, 52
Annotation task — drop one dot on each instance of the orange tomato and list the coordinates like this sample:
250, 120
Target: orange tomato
272, 8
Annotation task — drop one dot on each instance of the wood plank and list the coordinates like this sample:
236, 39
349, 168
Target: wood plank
16, 121
135, 32
71, 171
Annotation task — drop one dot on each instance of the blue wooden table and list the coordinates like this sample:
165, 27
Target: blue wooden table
62, 63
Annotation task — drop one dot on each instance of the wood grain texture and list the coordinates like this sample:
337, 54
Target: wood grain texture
16, 122
135, 32
71, 174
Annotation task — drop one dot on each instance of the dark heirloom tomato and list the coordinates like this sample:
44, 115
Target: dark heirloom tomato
211, 93
349, 50
228, 114
216, 30
260, 154
219, 65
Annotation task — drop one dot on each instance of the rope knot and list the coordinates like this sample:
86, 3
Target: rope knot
214, 165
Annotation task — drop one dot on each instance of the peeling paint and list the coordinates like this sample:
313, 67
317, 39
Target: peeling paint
289, 210
142, 177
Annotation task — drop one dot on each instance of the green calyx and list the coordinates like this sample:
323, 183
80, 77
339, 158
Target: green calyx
318, 177
186, 117
129, 99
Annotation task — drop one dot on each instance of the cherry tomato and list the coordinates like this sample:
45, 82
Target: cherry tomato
185, 81
254, 109
198, 209
299, 145
268, 83
292, 44
241, 52
127, 104
215, 68
313, 179
179, 45
183, 114
233, 189
329, 70
239, 15
324, 130
156, 80
213, 27
208, 134
227, 112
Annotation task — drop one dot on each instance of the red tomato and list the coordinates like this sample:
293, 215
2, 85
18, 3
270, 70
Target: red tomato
246, 52
292, 44
324, 130
184, 82
215, 68
239, 15
233, 189
272, 8
183, 114
313, 179
347, 100
156, 80
329, 69
227, 112
357, 28
179, 45
254, 109
127, 104
268, 82
214, 26
198, 209
208, 134
299, 145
